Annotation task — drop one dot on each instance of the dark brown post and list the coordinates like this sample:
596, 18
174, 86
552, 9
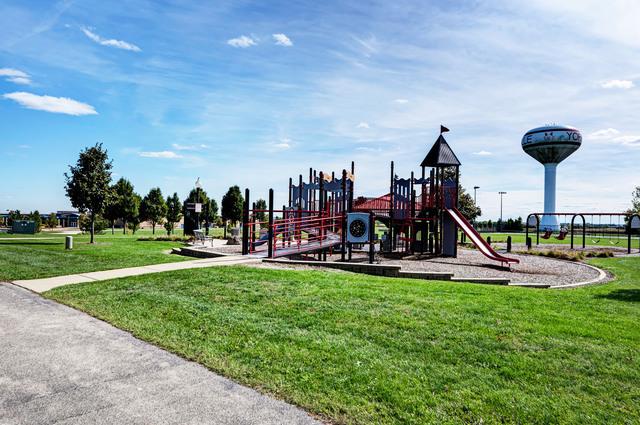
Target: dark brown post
351, 196
457, 205
270, 230
436, 227
372, 237
391, 210
245, 224
299, 221
343, 206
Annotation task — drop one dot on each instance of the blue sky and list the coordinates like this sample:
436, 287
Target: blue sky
251, 93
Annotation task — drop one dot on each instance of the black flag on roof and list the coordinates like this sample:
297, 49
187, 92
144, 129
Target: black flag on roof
443, 129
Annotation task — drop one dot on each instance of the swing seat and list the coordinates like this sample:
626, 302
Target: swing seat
614, 243
562, 235
547, 234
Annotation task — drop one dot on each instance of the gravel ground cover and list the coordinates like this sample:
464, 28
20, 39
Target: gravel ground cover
531, 269
470, 263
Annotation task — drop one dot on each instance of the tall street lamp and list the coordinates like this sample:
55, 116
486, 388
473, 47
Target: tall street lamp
501, 193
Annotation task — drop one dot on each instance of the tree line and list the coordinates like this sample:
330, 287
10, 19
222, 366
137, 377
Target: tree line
51, 221
89, 188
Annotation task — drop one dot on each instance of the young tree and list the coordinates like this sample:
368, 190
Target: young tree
174, 212
232, 203
125, 200
112, 209
84, 223
134, 218
87, 183
14, 216
37, 220
261, 206
153, 208
635, 200
466, 206
209, 213
52, 221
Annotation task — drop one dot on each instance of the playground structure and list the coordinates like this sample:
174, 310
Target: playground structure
590, 226
421, 215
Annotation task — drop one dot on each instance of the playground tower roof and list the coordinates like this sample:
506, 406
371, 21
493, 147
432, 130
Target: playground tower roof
440, 155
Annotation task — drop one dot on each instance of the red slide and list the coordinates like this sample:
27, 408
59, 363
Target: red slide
477, 240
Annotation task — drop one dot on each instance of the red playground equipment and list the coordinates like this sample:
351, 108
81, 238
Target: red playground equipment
421, 215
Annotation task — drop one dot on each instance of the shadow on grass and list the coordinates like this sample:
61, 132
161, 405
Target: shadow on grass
629, 295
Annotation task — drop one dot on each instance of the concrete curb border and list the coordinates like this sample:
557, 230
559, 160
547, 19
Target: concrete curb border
603, 277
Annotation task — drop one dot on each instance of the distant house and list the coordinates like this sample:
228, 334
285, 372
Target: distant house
65, 218
68, 218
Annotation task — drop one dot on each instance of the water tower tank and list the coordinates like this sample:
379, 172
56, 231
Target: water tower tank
551, 145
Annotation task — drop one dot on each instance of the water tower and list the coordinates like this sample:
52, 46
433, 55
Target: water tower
551, 145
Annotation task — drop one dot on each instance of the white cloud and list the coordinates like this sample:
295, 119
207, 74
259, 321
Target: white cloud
283, 144
483, 153
629, 140
282, 40
58, 105
611, 135
401, 101
24, 146
179, 147
606, 133
118, 44
160, 154
363, 125
243, 42
617, 84
15, 76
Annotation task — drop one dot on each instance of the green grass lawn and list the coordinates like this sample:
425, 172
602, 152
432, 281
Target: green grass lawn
361, 349
43, 255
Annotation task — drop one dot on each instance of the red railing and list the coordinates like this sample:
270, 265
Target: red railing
300, 232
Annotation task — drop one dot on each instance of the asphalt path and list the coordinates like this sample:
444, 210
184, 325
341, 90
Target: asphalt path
61, 366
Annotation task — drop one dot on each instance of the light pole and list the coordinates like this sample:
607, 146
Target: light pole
475, 188
501, 193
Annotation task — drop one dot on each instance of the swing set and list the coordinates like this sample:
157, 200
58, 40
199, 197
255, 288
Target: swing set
597, 227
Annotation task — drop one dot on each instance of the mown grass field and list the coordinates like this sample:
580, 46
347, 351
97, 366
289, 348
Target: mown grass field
357, 349
43, 255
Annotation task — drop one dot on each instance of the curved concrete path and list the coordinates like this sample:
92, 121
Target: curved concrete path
44, 284
61, 366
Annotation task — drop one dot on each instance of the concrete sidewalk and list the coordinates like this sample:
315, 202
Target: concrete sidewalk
42, 285
61, 366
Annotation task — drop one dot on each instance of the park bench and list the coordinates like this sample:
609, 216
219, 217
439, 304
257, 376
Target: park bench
201, 238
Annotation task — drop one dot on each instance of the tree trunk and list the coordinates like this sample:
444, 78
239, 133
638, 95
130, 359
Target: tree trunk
113, 227
92, 231
153, 227
124, 227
